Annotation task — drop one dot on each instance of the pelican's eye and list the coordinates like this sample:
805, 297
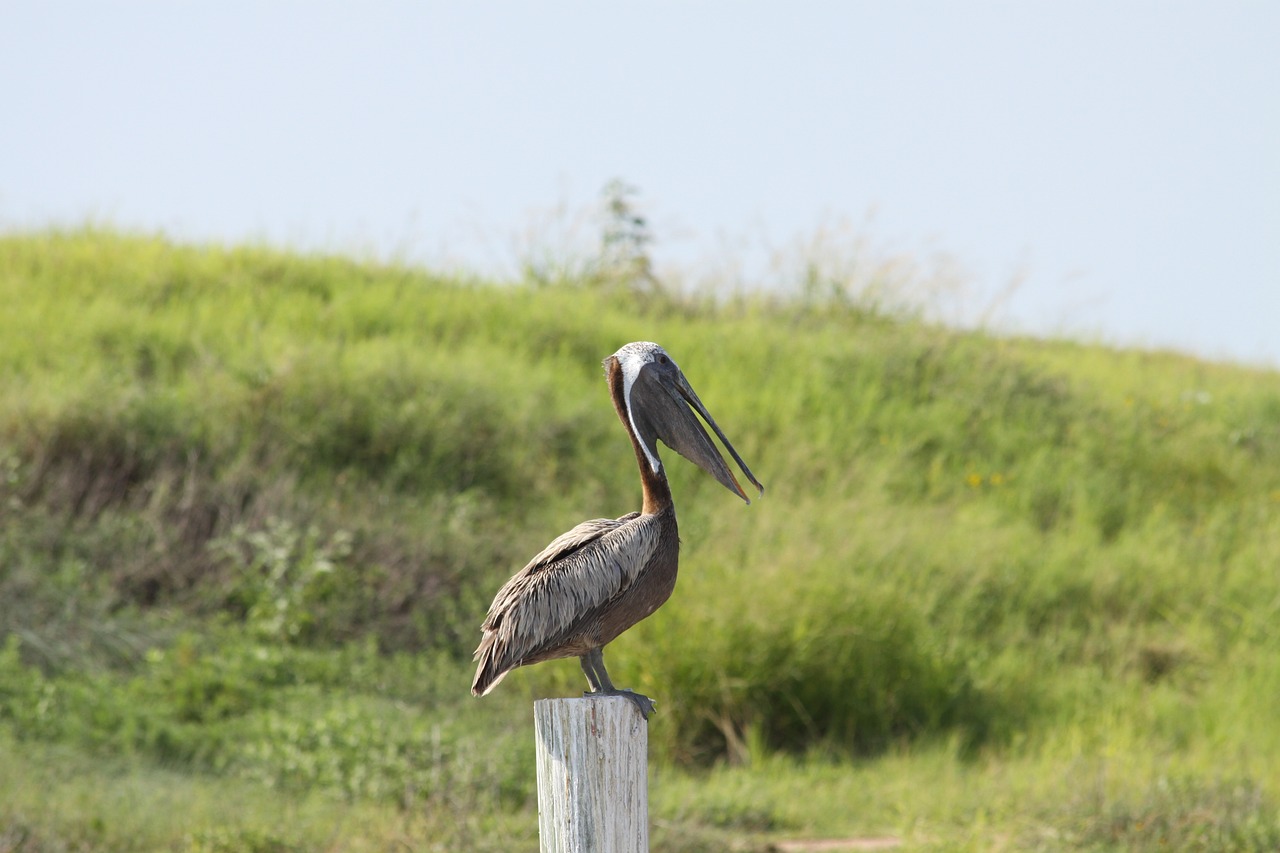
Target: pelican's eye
662, 359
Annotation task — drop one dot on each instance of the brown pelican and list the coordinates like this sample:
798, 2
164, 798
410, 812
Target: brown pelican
605, 575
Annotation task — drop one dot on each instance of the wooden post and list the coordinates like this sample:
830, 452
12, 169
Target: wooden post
593, 776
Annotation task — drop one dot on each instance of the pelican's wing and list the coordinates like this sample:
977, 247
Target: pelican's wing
577, 538
572, 577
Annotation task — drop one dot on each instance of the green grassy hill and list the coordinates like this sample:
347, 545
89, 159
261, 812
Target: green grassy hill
1000, 593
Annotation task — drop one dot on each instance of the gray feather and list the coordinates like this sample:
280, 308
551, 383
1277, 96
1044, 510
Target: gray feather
560, 589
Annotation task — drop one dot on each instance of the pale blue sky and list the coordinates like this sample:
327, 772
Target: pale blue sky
1121, 158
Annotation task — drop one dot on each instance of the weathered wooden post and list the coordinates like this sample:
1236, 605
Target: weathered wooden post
593, 776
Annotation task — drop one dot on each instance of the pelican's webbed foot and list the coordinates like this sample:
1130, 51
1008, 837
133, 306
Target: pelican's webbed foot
644, 703
593, 667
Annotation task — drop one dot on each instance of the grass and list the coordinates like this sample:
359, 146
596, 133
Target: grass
1001, 593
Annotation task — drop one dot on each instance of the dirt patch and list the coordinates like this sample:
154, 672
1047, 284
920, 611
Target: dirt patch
831, 845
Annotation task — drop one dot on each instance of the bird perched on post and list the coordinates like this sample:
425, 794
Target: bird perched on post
605, 575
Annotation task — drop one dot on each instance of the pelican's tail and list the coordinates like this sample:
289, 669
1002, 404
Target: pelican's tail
490, 671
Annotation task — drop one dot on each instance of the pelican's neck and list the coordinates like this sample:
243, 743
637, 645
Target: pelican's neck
657, 492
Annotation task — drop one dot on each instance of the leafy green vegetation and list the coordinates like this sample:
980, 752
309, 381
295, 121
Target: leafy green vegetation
1000, 594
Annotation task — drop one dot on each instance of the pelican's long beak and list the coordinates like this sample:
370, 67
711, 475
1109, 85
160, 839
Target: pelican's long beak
670, 412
